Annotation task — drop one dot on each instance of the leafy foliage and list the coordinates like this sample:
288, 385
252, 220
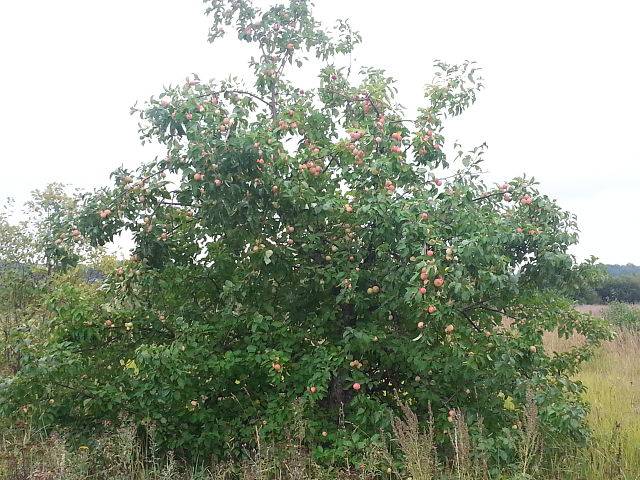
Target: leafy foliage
48, 237
623, 315
29, 250
620, 289
311, 256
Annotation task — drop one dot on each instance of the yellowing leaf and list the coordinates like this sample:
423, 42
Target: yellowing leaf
131, 364
509, 404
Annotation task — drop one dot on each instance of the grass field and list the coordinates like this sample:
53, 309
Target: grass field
613, 390
612, 379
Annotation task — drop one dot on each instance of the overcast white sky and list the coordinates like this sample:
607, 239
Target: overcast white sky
561, 103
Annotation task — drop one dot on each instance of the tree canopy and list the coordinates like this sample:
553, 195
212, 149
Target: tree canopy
313, 257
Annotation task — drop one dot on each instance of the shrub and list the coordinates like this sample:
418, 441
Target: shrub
623, 315
311, 257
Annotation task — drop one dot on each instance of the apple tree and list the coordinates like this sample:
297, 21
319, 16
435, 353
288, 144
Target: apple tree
313, 256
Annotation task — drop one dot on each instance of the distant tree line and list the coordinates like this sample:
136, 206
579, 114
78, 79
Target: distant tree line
625, 288
614, 283
622, 270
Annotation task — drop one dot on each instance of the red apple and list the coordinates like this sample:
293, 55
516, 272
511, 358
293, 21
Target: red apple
356, 386
438, 282
526, 200
431, 309
422, 290
429, 253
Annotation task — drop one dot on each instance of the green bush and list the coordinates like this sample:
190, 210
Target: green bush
623, 315
305, 261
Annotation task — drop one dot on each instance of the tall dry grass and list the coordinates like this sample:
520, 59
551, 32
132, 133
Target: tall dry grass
418, 445
612, 380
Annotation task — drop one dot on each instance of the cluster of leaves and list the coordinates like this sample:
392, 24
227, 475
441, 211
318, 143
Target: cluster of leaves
48, 237
311, 248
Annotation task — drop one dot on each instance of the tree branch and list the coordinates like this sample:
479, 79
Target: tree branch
471, 322
239, 92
